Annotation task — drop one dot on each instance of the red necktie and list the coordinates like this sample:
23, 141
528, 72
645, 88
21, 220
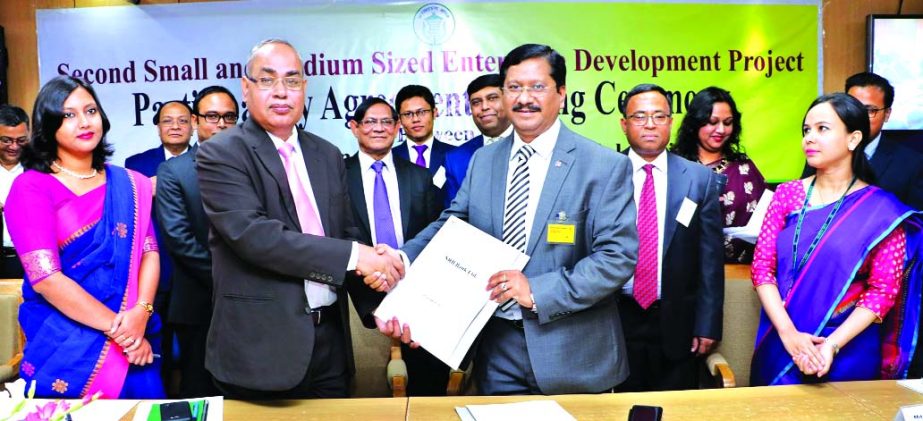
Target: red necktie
645, 284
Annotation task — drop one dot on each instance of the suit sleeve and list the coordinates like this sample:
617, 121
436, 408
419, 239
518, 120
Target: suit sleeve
709, 306
178, 232
452, 178
611, 258
915, 195
234, 205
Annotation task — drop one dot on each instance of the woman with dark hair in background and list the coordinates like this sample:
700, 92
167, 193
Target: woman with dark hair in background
836, 266
710, 135
83, 231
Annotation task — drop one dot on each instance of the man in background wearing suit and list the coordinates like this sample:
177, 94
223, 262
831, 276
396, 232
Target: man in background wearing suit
484, 98
563, 333
672, 308
185, 234
14, 135
417, 109
282, 244
392, 201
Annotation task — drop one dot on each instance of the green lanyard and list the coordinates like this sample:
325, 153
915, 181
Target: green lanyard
823, 229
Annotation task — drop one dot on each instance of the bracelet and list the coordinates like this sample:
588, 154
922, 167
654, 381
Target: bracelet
148, 307
534, 306
836, 348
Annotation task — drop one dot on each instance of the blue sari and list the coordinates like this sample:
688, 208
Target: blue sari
816, 299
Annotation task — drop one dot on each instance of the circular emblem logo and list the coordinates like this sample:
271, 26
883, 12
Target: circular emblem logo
433, 23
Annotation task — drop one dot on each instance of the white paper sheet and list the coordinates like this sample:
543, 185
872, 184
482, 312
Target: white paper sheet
546, 410
751, 231
442, 297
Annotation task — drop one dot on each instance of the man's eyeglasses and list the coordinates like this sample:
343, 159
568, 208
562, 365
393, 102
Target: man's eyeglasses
168, 122
7, 141
408, 115
267, 83
371, 123
229, 118
515, 90
640, 119
874, 111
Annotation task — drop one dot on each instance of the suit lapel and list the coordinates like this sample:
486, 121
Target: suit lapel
267, 154
678, 185
497, 179
357, 192
882, 158
403, 188
319, 176
554, 179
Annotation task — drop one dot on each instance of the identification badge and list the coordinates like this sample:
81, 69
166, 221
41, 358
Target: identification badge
686, 210
439, 177
561, 231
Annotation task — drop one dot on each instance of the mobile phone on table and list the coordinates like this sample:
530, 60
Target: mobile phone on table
171, 411
645, 413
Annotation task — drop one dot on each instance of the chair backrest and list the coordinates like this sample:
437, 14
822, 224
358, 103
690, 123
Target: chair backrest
741, 318
11, 340
371, 351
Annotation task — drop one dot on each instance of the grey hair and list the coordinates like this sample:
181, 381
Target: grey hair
263, 43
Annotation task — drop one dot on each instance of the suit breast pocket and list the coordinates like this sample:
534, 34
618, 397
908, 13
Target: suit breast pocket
565, 236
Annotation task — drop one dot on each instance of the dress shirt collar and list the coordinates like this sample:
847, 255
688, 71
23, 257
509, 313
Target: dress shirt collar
638, 163
167, 155
428, 143
488, 140
277, 142
872, 146
543, 144
366, 161
18, 169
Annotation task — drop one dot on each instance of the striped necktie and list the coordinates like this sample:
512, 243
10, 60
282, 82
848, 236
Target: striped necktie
517, 199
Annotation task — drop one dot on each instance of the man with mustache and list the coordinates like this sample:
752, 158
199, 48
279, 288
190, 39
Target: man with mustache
14, 135
283, 245
484, 99
565, 201
673, 306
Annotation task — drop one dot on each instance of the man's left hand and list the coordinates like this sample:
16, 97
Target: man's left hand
508, 284
703, 346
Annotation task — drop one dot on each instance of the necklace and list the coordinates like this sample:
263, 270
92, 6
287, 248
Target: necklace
717, 169
76, 175
796, 266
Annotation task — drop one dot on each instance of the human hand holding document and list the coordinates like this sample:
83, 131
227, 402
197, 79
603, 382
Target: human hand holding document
751, 231
443, 296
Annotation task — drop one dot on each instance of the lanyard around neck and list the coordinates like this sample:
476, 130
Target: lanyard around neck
796, 266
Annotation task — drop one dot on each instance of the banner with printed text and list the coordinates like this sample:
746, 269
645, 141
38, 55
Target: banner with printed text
138, 57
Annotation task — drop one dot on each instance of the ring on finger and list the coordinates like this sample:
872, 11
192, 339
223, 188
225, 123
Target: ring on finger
503, 286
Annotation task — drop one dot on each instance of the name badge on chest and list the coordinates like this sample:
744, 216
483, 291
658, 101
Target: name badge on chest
561, 230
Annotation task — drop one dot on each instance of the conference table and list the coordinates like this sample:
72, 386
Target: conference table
869, 400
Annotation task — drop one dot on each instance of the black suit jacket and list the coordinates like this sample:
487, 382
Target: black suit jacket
418, 202
436, 158
261, 336
899, 170
185, 237
692, 289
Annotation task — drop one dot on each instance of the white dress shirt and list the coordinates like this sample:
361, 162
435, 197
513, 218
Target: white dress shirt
872, 146
318, 294
660, 195
6, 182
394, 198
488, 140
413, 152
538, 169
167, 155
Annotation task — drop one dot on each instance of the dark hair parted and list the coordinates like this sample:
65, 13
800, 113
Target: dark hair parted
529, 51
855, 117
214, 89
484, 81
12, 116
359, 114
642, 88
156, 119
871, 79
698, 114
412, 91
47, 116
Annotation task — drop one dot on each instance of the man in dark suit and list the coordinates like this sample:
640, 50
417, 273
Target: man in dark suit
562, 334
672, 308
14, 136
392, 201
282, 244
417, 109
484, 98
185, 226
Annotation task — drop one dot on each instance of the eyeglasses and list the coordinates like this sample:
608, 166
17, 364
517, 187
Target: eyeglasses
490, 99
267, 83
229, 118
515, 90
371, 123
874, 111
408, 115
169, 122
7, 141
641, 119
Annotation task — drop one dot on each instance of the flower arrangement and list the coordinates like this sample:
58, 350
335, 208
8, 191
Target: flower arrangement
50, 411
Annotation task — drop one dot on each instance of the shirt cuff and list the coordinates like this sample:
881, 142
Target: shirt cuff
405, 260
353, 257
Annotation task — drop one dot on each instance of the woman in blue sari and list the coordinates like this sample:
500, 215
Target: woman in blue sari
836, 264
83, 233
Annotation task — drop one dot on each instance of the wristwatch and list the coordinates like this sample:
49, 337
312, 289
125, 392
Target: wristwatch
534, 306
148, 307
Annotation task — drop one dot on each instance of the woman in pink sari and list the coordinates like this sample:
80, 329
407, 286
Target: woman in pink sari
83, 232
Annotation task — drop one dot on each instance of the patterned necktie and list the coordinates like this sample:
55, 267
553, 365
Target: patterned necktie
421, 160
517, 199
645, 284
307, 217
384, 224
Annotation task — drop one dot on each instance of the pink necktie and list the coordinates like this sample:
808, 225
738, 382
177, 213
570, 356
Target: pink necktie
307, 217
645, 284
